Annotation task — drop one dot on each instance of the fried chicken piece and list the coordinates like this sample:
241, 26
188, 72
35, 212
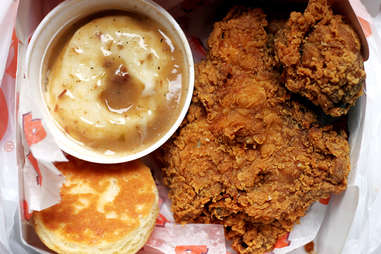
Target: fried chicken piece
240, 39
248, 156
322, 59
239, 47
238, 110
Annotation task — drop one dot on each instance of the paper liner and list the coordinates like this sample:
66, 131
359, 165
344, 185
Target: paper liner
40, 181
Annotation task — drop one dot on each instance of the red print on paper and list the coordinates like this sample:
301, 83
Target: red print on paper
282, 241
191, 249
12, 58
3, 114
161, 220
33, 129
365, 26
25, 207
9, 146
324, 201
34, 163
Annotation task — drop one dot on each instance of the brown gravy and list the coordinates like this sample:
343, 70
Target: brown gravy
117, 83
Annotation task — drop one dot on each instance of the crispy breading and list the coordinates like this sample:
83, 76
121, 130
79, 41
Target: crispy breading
248, 155
240, 39
322, 58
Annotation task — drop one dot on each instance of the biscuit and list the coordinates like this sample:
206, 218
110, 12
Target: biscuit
103, 209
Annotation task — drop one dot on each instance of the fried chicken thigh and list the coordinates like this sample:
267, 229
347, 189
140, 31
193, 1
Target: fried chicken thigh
322, 59
248, 155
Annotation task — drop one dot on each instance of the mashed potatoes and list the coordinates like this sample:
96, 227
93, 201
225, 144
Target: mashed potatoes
116, 84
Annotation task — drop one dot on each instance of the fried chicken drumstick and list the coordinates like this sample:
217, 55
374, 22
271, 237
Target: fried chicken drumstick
248, 155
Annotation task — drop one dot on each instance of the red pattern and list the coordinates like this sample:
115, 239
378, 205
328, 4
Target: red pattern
282, 241
325, 201
34, 163
161, 220
191, 249
33, 129
365, 26
3, 114
25, 207
12, 65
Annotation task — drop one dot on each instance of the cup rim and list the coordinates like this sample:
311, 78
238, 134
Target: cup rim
64, 141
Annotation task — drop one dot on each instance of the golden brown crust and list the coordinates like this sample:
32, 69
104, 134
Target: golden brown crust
102, 207
322, 58
248, 156
240, 39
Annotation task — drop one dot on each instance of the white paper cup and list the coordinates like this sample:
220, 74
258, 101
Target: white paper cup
65, 15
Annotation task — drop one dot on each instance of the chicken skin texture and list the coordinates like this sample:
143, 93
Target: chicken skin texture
321, 58
248, 155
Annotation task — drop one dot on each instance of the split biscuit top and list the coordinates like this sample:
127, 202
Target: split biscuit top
103, 209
